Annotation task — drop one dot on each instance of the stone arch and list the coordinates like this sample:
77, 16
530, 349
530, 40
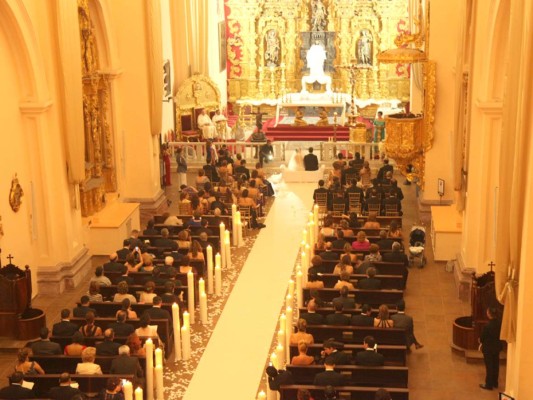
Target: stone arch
498, 50
15, 21
107, 50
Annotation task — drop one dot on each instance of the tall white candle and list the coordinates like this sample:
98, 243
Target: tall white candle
218, 280
288, 301
274, 360
288, 331
240, 241
186, 319
271, 394
203, 308
190, 297
304, 235
261, 396
281, 336
283, 322
222, 246
291, 288
228, 251
186, 342
201, 286
158, 356
315, 213
210, 277
139, 394
149, 349
311, 216
299, 289
311, 229
280, 354
159, 385
177, 331
127, 389
303, 260
234, 224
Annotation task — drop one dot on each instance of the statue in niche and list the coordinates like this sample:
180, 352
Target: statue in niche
318, 16
272, 48
364, 48
316, 56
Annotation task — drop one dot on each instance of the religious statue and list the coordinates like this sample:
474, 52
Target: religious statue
323, 115
272, 48
316, 56
318, 16
15, 194
299, 118
364, 48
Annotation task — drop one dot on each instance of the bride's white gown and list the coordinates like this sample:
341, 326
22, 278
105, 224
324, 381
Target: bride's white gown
296, 163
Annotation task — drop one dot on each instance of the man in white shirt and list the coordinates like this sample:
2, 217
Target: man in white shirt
206, 125
221, 124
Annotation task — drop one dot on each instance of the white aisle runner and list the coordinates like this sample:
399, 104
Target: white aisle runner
233, 362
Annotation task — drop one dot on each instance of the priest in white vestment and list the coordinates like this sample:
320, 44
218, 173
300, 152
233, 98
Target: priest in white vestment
206, 125
221, 124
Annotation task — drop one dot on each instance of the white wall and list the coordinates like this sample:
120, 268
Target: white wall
216, 15
168, 106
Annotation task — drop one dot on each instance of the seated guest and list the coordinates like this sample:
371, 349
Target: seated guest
383, 320
316, 266
131, 263
329, 377
331, 350
148, 294
113, 265
382, 394
303, 394
246, 201
311, 316
398, 256
135, 345
395, 232
403, 321
340, 241
184, 240
169, 296
76, 347
125, 364
144, 327
302, 334
345, 265
185, 267
156, 279
44, 346
348, 303
156, 312
196, 252
121, 327
94, 292
276, 378
196, 220
384, 242
344, 281
371, 222
124, 277
164, 242
313, 282
126, 307
150, 228
168, 267
113, 390
329, 254
64, 390
122, 293
369, 356
99, 277
65, 327
348, 252
327, 229
108, 347
134, 239
361, 243
363, 267
90, 329
88, 367
365, 318
344, 225
315, 298
172, 220
24, 364
370, 283
82, 310
374, 255
201, 179
203, 240
302, 358
15, 389
337, 318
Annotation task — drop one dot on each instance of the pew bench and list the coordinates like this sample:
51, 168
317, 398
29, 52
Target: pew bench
109, 309
387, 281
394, 355
289, 392
53, 364
347, 311
108, 292
372, 297
383, 220
356, 334
92, 341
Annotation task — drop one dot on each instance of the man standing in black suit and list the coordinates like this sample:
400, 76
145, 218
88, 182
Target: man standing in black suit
64, 390
44, 346
311, 161
15, 389
126, 364
311, 316
329, 377
65, 327
107, 347
337, 318
121, 327
365, 318
491, 346
371, 282
113, 265
369, 356
396, 255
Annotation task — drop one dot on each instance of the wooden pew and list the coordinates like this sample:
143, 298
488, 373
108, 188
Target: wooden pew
140, 278
163, 328
394, 355
109, 309
382, 267
387, 281
87, 383
109, 291
348, 311
92, 341
384, 221
53, 364
372, 297
289, 392
355, 375
356, 334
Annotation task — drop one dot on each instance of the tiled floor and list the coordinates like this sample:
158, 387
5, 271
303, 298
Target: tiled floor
435, 372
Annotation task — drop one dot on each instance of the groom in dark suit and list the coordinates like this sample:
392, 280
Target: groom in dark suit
311, 161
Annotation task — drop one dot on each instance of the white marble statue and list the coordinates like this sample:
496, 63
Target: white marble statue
318, 19
316, 57
364, 48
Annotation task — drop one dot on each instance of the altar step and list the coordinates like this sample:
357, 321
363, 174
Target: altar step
301, 133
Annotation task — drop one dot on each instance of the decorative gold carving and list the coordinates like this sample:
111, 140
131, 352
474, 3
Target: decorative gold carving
15, 194
430, 90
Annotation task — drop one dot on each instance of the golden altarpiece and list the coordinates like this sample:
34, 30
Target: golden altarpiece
100, 174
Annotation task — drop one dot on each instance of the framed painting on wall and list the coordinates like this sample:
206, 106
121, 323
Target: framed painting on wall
222, 45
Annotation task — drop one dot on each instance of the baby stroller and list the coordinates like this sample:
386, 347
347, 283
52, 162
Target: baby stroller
417, 242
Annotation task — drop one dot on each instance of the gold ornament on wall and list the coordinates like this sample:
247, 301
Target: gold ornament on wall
15, 194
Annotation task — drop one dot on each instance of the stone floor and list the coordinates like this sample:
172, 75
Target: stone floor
435, 372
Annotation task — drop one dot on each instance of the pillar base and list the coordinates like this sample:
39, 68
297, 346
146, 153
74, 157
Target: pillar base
150, 206
463, 278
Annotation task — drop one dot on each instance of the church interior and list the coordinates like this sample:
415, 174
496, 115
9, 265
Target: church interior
114, 105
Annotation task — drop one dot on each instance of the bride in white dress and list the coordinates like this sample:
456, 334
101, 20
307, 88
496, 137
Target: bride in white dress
296, 163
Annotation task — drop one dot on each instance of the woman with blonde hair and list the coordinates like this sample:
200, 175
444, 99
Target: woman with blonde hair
382, 320
196, 252
301, 335
94, 292
24, 364
345, 265
361, 242
88, 367
148, 264
302, 358
348, 252
344, 281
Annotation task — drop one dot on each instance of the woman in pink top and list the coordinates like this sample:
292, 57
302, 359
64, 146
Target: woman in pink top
361, 243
